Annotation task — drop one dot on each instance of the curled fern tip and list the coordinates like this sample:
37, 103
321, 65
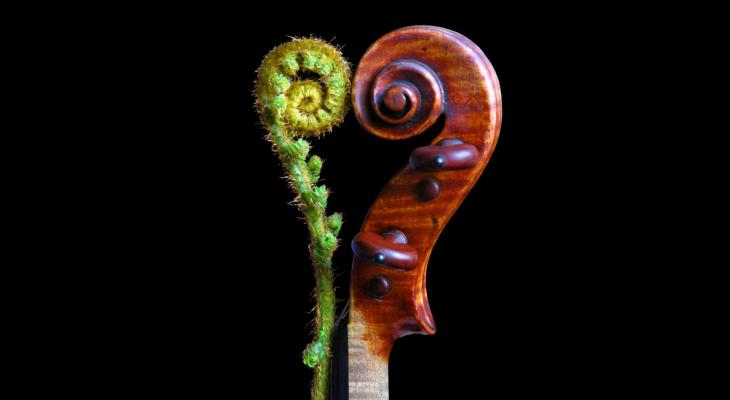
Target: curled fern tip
302, 92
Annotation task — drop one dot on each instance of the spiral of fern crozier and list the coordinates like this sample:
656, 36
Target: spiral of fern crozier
302, 91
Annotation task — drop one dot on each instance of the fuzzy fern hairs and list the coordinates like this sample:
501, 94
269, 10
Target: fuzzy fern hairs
292, 109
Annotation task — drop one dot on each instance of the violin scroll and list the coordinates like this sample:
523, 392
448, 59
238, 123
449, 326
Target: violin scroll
404, 83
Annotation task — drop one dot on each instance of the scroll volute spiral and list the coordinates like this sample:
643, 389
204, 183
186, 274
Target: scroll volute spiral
405, 81
405, 99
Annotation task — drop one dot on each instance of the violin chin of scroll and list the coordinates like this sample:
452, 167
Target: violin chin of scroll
404, 83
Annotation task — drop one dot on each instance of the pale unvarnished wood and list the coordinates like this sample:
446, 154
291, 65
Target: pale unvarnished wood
367, 371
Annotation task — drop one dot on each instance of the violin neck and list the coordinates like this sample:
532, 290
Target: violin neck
338, 367
368, 372
357, 372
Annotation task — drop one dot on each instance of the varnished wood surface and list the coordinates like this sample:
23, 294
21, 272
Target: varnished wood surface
437, 71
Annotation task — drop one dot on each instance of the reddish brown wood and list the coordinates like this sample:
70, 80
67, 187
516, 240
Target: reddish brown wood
404, 82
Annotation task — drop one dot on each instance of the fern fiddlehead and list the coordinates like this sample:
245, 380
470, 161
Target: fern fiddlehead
294, 107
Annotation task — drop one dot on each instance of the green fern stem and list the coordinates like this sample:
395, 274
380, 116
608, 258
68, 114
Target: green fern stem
292, 108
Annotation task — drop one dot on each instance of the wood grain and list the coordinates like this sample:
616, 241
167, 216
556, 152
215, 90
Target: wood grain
404, 82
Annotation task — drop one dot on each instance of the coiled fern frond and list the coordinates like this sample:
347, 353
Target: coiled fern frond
302, 91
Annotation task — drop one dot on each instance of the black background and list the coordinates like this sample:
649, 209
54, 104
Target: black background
531, 289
